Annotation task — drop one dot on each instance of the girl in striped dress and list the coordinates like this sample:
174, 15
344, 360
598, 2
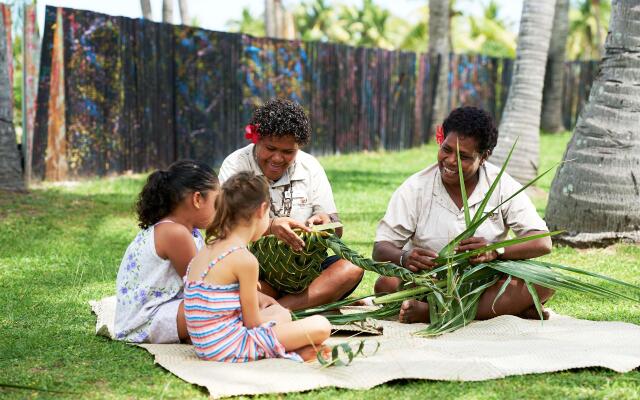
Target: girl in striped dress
221, 303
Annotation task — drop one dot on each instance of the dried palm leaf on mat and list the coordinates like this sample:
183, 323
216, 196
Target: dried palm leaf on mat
453, 296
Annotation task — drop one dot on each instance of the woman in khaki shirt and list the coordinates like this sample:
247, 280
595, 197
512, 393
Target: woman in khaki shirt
426, 212
300, 195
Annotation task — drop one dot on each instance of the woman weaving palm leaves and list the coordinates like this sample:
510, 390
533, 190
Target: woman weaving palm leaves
301, 196
427, 211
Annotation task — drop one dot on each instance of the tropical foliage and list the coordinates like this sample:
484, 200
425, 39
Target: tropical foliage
248, 23
588, 26
486, 32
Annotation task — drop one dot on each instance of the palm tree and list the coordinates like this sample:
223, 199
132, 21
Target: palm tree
586, 29
10, 171
488, 34
184, 12
167, 11
247, 24
316, 20
145, 6
368, 26
551, 118
595, 196
417, 34
439, 55
521, 116
270, 18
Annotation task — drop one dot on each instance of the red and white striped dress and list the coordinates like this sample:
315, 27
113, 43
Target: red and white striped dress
214, 322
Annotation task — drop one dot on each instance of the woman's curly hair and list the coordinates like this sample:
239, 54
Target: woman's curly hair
165, 189
282, 117
473, 122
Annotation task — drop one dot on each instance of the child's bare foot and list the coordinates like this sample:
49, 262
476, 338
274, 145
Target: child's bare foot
309, 353
532, 313
413, 311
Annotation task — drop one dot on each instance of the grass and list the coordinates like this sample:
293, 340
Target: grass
61, 246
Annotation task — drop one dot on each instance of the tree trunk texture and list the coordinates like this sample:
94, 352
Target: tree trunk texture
10, 170
184, 12
167, 11
439, 55
595, 195
145, 6
279, 18
521, 116
551, 119
270, 18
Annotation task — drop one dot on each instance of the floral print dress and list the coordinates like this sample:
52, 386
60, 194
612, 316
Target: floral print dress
145, 284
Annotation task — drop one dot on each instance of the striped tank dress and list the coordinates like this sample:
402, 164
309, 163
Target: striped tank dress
214, 322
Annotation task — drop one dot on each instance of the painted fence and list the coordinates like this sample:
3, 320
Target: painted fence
118, 94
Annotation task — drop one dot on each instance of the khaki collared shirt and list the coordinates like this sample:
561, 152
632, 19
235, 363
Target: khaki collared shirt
422, 214
304, 184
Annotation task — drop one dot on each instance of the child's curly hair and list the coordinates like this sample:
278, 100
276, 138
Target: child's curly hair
165, 189
473, 122
282, 117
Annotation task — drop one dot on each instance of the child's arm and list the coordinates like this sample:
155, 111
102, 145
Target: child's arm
247, 272
175, 243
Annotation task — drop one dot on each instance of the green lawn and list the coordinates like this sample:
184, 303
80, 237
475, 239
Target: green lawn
61, 246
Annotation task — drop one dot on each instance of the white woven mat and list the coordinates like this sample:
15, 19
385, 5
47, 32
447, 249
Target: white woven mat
483, 350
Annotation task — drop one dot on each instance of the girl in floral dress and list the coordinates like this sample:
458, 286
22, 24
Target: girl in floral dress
221, 287
172, 206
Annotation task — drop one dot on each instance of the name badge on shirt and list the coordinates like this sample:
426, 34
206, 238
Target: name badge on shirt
300, 197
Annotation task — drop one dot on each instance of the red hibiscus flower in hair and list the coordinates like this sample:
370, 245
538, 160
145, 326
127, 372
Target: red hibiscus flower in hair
251, 133
439, 134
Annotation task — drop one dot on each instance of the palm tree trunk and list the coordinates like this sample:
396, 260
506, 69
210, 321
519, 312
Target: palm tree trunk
167, 11
184, 12
595, 196
551, 120
269, 18
10, 171
521, 116
279, 18
439, 55
145, 6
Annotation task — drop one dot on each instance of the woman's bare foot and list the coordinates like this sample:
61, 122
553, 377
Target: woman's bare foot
309, 353
532, 313
413, 311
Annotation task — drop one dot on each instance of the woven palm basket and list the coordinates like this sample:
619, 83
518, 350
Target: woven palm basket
291, 272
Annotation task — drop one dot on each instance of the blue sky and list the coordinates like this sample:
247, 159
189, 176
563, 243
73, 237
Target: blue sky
213, 14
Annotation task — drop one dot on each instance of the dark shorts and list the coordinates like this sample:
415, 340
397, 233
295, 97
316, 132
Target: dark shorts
330, 261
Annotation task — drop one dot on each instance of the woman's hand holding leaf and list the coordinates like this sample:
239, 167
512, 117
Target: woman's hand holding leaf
282, 228
418, 259
473, 243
